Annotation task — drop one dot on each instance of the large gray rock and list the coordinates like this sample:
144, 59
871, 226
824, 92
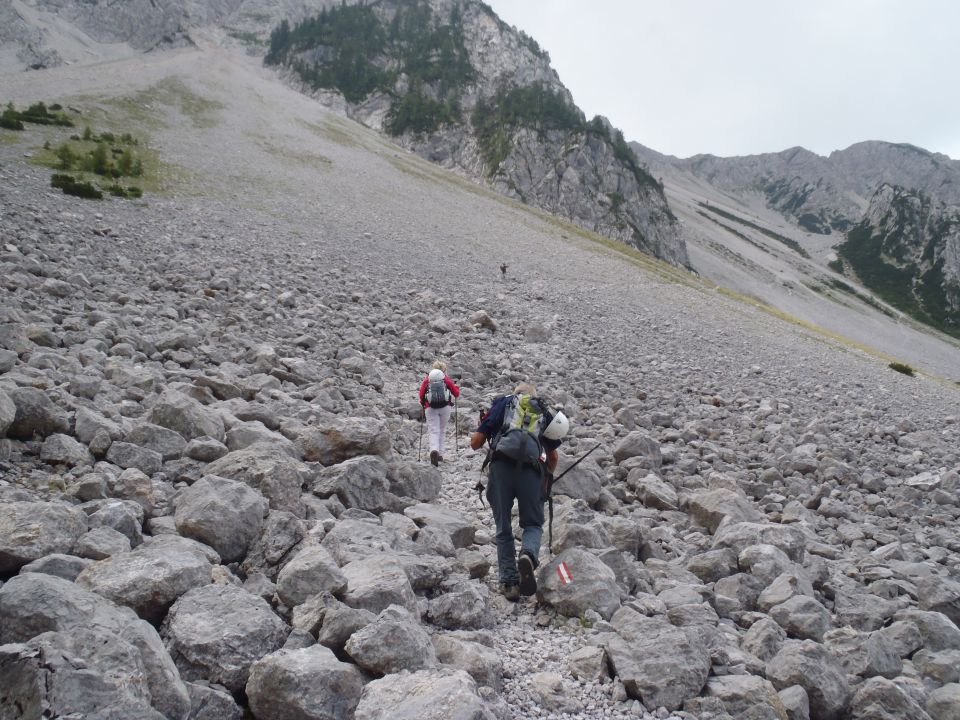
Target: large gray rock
377, 582
740, 535
583, 482
639, 444
652, 491
942, 595
342, 439
455, 524
151, 577
802, 617
8, 412
747, 697
711, 507
360, 482
186, 416
441, 694
419, 481
279, 534
811, 666
944, 702
215, 633
222, 513
59, 449
465, 606
864, 654
647, 650
35, 603
312, 570
58, 565
357, 539
482, 662
124, 516
393, 642
36, 415
30, 530
593, 587
305, 684
882, 699
100, 543
764, 639
268, 469
902, 637
43, 679
937, 631
212, 702
88, 424
127, 455
168, 443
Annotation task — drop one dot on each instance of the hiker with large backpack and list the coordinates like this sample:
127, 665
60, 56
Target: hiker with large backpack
437, 396
523, 435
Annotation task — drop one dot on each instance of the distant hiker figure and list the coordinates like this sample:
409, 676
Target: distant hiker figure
437, 392
503, 270
524, 435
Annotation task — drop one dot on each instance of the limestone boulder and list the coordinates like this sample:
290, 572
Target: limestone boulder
747, 697
31, 530
59, 449
182, 414
279, 534
342, 439
741, 535
225, 514
465, 606
811, 666
360, 482
36, 415
418, 481
216, 633
437, 694
304, 684
711, 507
639, 444
480, 661
881, 699
393, 642
454, 523
151, 577
576, 581
645, 650
312, 570
277, 476
375, 583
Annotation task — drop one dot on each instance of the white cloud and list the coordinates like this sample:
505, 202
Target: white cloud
747, 76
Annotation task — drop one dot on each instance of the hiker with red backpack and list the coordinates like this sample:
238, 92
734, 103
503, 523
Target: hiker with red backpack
437, 396
523, 434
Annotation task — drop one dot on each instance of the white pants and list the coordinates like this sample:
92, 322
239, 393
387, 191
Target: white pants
436, 425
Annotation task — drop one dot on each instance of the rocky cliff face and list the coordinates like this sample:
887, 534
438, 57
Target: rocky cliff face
908, 248
452, 82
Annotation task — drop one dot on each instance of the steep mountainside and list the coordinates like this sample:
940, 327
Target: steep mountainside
907, 247
446, 78
451, 81
887, 207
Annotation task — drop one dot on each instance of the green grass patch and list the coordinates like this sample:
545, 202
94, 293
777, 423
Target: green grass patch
72, 186
902, 368
147, 107
36, 114
247, 38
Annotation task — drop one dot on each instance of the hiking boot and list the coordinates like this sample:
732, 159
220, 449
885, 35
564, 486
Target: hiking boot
510, 592
434, 458
526, 564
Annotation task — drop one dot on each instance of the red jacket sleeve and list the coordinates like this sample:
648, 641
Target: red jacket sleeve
452, 385
423, 388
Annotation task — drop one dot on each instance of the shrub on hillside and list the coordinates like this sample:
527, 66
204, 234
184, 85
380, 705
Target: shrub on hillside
902, 368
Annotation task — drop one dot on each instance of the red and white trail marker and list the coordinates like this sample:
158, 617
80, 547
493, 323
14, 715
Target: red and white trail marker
566, 577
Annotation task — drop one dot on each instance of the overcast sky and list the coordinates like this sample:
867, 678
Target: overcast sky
738, 77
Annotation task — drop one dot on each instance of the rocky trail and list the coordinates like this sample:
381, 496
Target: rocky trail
210, 500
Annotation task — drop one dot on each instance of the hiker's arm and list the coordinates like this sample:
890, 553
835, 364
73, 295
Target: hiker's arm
423, 389
477, 440
453, 386
552, 458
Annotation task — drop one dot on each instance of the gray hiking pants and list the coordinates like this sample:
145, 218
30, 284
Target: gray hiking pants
508, 482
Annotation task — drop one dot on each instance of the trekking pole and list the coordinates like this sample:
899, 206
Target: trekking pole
456, 427
579, 460
420, 444
550, 494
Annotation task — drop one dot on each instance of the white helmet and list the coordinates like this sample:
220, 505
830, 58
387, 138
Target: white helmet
558, 427
436, 375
